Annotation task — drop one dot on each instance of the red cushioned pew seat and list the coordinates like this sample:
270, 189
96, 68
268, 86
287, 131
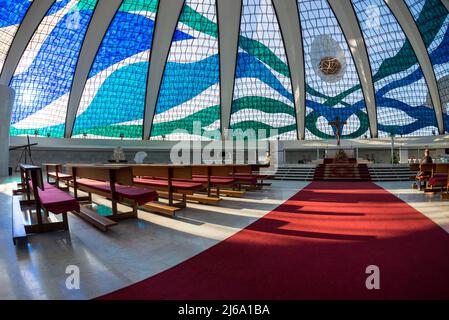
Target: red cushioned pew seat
140, 195
439, 179
55, 200
61, 176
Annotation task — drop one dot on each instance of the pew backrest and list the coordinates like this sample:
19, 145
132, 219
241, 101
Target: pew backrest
114, 174
244, 168
162, 171
426, 167
56, 167
32, 175
91, 172
221, 170
441, 168
200, 170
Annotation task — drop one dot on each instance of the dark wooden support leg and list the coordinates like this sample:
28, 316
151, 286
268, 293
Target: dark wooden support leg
135, 208
39, 218
170, 196
65, 221
114, 207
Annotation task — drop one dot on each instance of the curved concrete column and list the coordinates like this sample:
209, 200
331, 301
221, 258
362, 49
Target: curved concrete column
31, 21
344, 12
446, 4
289, 23
101, 19
405, 19
166, 21
6, 102
228, 16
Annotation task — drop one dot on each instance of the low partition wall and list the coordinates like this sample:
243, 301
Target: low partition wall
289, 152
368, 155
100, 151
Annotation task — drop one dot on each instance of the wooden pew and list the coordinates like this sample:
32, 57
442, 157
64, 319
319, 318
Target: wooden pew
256, 171
114, 182
439, 177
219, 179
251, 172
55, 173
40, 197
173, 182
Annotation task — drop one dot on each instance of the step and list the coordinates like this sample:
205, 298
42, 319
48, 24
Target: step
92, 217
18, 225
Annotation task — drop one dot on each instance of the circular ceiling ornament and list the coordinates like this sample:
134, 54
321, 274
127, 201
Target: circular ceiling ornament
330, 66
328, 59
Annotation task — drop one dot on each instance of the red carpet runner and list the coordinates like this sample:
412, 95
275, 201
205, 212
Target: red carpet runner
317, 245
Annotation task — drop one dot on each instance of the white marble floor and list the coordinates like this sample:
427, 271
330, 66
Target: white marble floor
137, 249
128, 252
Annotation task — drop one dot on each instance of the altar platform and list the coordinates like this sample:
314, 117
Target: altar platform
347, 169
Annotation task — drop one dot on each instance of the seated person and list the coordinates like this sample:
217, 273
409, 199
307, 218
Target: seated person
426, 159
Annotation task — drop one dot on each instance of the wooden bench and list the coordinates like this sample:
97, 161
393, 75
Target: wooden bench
55, 173
173, 182
209, 183
253, 171
439, 177
248, 176
242, 174
218, 179
40, 197
114, 182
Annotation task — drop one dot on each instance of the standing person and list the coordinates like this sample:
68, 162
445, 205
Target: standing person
426, 159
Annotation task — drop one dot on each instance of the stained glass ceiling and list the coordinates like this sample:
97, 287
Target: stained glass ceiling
114, 100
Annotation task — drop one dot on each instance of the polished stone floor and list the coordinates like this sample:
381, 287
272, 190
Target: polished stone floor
128, 252
137, 249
